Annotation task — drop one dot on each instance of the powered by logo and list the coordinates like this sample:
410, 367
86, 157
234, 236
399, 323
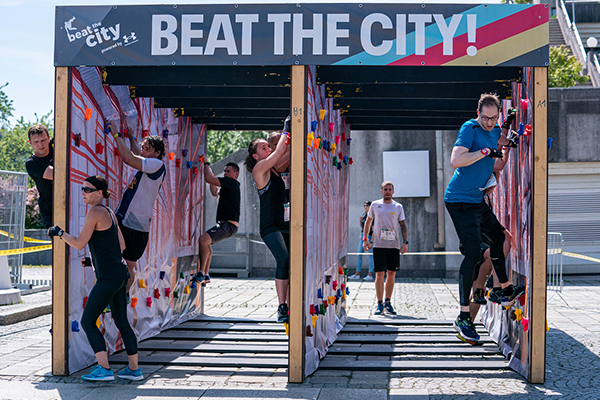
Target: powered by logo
94, 34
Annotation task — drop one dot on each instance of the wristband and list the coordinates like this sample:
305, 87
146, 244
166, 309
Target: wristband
206, 163
485, 151
405, 242
116, 135
365, 239
133, 138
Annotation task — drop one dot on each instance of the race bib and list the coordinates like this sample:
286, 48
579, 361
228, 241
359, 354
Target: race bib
286, 212
388, 234
285, 176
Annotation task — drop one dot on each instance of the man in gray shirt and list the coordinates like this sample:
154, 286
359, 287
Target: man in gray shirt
389, 223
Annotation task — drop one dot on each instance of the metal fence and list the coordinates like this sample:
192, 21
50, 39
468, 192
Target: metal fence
232, 256
13, 196
555, 262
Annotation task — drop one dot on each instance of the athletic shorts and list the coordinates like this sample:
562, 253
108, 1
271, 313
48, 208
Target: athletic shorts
484, 247
386, 259
221, 231
135, 243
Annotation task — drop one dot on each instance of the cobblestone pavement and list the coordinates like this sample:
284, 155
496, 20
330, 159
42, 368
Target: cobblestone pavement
573, 346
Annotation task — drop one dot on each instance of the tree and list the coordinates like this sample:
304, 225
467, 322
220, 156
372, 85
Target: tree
564, 69
220, 144
14, 143
6, 108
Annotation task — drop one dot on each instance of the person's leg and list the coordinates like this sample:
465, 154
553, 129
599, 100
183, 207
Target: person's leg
205, 250
359, 258
389, 284
98, 299
494, 232
131, 268
276, 243
371, 263
118, 306
478, 286
379, 284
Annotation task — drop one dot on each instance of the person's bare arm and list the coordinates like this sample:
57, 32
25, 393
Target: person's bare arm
91, 219
209, 177
133, 143
366, 230
133, 160
261, 168
49, 173
404, 231
461, 157
284, 162
214, 190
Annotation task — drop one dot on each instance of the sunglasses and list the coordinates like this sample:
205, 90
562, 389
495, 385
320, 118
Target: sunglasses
88, 189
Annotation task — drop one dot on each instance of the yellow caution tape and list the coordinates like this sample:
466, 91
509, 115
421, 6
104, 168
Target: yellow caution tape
25, 239
25, 250
582, 257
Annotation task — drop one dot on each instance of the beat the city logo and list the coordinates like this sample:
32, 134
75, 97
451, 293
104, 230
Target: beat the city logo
95, 34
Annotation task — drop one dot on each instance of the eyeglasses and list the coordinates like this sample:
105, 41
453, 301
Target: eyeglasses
494, 118
88, 189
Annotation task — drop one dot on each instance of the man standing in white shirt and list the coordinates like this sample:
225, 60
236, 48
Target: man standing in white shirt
389, 224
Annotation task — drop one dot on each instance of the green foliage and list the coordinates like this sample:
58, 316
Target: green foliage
564, 70
33, 218
220, 144
14, 144
6, 107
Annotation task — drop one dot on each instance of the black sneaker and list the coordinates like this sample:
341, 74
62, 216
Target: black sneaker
478, 297
466, 329
283, 314
510, 293
489, 283
388, 308
199, 277
379, 309
495, 295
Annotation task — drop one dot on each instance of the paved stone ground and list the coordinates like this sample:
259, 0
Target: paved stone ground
572, 354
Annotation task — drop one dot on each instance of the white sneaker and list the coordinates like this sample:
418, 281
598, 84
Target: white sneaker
354, 277
369, 278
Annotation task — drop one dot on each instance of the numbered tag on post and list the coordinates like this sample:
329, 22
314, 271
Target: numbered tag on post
286, 212
285, 176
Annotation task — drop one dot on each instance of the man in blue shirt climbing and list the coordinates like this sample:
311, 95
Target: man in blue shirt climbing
475, 157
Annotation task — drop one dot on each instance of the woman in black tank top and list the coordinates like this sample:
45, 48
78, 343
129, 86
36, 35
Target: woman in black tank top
101, 233
264, 165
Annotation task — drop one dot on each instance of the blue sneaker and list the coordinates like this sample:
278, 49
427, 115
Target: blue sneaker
127, 373
199, 277
388, 308
379, 309
466, 329
98, 373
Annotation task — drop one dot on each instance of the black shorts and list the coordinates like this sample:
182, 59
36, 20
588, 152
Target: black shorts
484, 247
386, 259
135, 243
221, 231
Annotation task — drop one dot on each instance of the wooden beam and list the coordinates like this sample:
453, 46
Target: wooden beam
432, 105
280, 113
231, 103
297, 228
458, 114
197, 76
60, 252
415, 74
539, 180
440, 90
269, 92
239, 127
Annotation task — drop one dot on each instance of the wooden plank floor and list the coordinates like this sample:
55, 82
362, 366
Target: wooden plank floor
366, 345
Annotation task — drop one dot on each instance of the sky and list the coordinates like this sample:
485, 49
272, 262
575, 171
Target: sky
27, 46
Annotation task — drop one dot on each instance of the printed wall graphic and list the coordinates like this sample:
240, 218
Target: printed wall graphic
306, 34
171, 255
327, 195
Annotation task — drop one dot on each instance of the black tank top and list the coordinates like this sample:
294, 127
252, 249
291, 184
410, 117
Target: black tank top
272, 200
106, 253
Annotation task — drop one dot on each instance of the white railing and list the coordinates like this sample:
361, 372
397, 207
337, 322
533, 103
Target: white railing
570, 32
594, 69
555, 262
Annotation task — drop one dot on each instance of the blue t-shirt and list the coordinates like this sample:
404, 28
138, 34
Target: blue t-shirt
466, 183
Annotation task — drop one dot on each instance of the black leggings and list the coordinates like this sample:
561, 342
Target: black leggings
105, 293
279, 244
470, 221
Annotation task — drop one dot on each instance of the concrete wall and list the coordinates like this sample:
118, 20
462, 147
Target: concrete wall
574, 124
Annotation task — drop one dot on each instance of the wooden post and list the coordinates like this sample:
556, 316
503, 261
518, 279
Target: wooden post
60, 254
297, 232
539, 179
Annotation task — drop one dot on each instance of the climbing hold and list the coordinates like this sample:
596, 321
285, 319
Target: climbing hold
186, 290
346, 160
287, 328
161, 275
339, 166
549, 143
547, 327
171, 156
343, 286
331, 125
313, 125
134, 302
77, 139
522, 299
334, 285
527, 130
314, 321
167, 292
525, 323
347, 290
175, 294
149, 301
350, 161
141, 283
98, 323
177, 162
322, 310
322, 114
343, 136
74, 326
156, 294
341, 270
348, 141
145, 133
335, 163
181, 276
189, 164
165, 133
312, 309
328, 279
345, 270
184, 152
331, 300
308, 331
107, 129
201, 159
319, 293
309, 139
195, 170
99, 148
518, 314
85, 299
524, 104
88, 114
193, 285
325, 304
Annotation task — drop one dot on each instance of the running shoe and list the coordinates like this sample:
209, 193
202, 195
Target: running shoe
127, 373
98, 373
495, 295
489, 283
369, 278
478, 297
510, 293
199, 277
206, 279
354, 277
466, 329
283, 314
379, 309
388, 308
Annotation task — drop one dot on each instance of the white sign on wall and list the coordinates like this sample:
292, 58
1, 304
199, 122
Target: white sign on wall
408, 171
